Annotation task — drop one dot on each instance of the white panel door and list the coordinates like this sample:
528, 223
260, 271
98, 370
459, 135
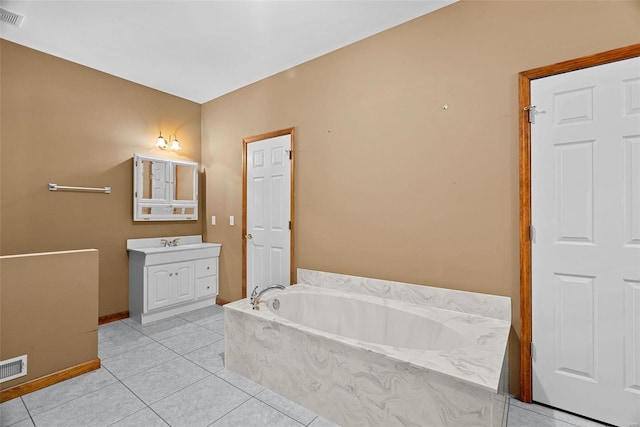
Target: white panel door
585, 208
268, 212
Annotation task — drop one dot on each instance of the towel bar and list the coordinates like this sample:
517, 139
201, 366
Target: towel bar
55, 187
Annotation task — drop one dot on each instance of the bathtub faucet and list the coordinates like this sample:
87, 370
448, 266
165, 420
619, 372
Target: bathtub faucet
255, 295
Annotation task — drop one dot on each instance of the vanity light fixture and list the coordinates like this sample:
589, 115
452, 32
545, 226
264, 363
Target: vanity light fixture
173, 145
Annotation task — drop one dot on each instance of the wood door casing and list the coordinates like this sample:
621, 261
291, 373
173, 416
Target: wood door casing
524, 88
245, 142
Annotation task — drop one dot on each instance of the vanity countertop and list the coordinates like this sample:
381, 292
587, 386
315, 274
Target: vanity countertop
187, 247
179, 247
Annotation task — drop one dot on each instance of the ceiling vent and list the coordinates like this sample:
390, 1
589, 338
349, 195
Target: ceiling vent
10, 17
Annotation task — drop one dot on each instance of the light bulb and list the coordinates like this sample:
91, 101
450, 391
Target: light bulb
161, 143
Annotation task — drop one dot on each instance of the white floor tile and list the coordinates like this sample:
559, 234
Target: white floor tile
165, 379
138, 360
557, 414
210, 357
244, 384
12, 412
190, 340
256, 413
322, 422
165, 328
214, 323
200, 404
132, 323
117, 337
519, 417
202, 313
101, 408
143, 418
24, 423
286, 406
47, 398
113, 329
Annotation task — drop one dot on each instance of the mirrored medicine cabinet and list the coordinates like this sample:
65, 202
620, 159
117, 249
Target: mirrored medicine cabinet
164, 189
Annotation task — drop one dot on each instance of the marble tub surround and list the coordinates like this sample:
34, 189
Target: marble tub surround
356, 382
494, 306
462, 346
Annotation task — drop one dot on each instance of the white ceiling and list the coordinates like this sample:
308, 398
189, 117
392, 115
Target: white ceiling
200, 50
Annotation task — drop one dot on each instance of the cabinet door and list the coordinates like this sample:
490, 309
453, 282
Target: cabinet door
158, 286
169, 284
184, 282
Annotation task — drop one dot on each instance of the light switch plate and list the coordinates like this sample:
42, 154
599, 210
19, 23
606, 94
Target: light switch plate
232, 220
213, 220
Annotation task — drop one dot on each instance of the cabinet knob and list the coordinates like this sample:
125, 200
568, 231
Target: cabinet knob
208, 268
176, 274
208, 287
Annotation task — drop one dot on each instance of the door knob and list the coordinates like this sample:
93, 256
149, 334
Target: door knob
248, 236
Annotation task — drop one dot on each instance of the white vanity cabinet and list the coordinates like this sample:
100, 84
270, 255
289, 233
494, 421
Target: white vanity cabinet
169, 280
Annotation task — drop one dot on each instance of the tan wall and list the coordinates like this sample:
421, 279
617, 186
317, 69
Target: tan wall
72, 125
49, 311
388, 183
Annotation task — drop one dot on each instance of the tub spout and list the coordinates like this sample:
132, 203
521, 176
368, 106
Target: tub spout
255, 295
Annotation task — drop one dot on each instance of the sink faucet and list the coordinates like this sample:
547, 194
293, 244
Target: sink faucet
166, 243
255, 295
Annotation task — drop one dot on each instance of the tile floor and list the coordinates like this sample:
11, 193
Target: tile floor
171, 373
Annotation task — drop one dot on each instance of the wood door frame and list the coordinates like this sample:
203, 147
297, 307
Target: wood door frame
245, 143
524, 90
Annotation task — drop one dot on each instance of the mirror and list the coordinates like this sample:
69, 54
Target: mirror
154, 180
164, 189
184, 189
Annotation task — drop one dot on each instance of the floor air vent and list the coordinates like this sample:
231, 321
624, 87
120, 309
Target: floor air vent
13, 368
10, 17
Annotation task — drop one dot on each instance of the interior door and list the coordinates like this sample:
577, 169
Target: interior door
268, 212
585, 210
